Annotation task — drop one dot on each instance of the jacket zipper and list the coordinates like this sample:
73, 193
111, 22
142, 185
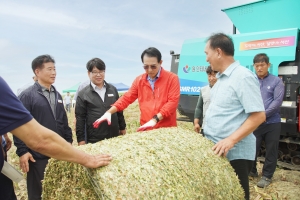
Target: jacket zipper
105, 98
50, 106
153, 94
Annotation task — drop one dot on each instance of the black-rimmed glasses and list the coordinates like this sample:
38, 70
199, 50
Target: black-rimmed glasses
98, 73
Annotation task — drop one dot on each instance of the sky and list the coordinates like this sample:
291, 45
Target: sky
73, 32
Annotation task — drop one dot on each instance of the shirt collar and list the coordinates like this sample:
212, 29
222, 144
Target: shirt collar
229, 69
157, 75
95, 86
44, 88
263, 77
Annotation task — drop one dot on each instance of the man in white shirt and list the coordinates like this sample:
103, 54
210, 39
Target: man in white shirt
67, 101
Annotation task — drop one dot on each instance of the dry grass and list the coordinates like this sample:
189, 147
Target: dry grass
172, 162
285, 183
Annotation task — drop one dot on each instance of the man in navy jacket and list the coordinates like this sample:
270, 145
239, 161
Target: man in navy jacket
272, 92
45, 104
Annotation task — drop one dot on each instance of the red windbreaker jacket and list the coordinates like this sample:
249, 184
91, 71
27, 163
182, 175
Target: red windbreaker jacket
163, 99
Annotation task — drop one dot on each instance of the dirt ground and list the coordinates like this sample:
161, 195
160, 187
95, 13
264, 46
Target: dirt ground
285, 184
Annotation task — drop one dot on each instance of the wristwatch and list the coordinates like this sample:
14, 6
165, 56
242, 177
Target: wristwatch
156, 118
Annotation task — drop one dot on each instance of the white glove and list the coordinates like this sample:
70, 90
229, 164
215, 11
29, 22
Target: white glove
149, 124
105, 117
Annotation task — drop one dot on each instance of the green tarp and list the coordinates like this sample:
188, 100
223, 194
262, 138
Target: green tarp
72, 89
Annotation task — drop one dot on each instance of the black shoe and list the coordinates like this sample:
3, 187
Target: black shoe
252, 174
264, 182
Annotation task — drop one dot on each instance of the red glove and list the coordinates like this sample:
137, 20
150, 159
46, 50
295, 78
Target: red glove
105, 117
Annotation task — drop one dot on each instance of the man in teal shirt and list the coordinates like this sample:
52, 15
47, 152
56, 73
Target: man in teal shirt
236, 108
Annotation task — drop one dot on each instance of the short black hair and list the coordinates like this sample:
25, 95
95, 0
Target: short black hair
95, 62
210, 71
222, 41
261, 57
151, 52
40, 60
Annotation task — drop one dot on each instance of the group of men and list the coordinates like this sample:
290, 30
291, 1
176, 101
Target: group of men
97, 98
232, 107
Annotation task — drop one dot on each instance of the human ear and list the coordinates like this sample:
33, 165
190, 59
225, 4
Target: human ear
219, 51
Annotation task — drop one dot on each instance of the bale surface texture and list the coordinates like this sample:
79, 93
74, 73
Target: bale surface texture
166, 163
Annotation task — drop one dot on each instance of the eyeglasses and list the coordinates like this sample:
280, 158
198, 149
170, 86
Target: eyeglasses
98, 73
152, 66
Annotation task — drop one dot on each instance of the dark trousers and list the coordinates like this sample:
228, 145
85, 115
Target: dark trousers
68, 107
6, 185
34, 177
242, 169
269, 133
6, 188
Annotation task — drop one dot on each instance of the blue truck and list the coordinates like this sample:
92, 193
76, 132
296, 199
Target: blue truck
266, 26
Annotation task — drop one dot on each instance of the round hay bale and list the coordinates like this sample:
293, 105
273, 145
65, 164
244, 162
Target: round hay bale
166, 163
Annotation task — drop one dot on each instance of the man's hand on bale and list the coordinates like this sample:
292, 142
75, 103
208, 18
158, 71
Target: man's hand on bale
95, 161
148, 126
223, 146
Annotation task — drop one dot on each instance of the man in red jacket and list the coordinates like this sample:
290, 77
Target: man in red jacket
157, 91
